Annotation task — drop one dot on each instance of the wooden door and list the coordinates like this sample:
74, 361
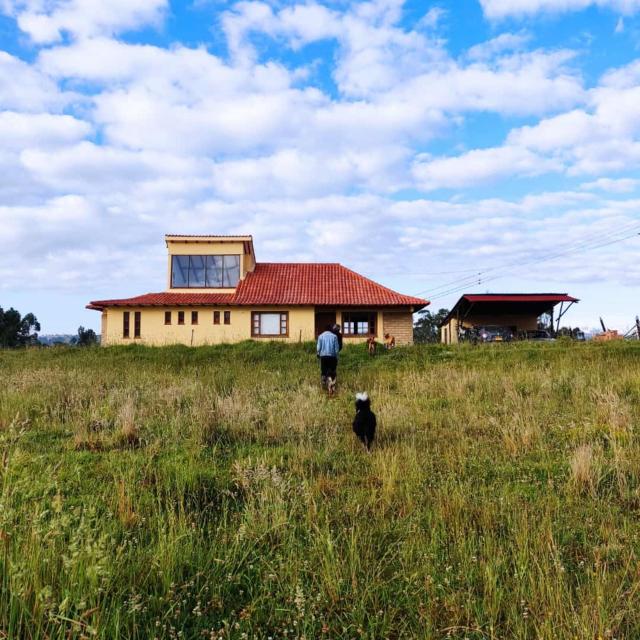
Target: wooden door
323, 318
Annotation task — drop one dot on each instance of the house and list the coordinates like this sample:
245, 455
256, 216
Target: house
518, 312
217, 292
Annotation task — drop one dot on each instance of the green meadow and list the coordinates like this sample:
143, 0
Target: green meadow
217, 493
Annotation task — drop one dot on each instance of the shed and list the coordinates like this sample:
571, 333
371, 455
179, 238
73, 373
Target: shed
518, 312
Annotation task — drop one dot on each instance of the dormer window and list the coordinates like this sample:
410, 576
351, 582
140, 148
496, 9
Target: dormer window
199, 272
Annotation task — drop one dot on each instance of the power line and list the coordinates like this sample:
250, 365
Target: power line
572, 247
461, 286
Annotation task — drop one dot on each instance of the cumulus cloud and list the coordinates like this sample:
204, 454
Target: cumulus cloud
479, 166
25, 88
21, 130
46, 22
499, 44
497, 9
612, 185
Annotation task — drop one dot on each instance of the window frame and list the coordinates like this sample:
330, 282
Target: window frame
345, 320
126, 324
205, 258
284, 321
194, 317
137, 324
227, 317
167, 318
216, 317
181, 317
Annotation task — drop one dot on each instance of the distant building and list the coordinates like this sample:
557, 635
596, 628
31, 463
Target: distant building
518, 312
217, 292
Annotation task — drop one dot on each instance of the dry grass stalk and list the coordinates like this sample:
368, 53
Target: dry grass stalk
584, 469
129, 431
126, 514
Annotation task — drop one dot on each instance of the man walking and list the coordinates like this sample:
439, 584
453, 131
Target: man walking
327, 350
336, 329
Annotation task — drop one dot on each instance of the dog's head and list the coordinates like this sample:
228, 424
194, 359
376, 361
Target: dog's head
362, 401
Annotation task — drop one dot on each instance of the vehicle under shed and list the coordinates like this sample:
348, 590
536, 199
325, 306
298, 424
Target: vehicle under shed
519, 313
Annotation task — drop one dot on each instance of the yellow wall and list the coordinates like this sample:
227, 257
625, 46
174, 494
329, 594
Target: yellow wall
155, 332
208, 249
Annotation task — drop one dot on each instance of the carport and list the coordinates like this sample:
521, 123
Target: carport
518, 312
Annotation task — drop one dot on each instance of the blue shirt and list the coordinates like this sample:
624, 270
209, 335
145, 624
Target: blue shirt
328, 345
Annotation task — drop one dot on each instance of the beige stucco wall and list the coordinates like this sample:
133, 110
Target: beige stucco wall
208, 249
155, 332
301, 326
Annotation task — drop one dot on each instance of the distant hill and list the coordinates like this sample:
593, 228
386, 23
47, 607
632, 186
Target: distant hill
56, 338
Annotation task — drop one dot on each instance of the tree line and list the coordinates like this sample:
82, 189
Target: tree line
17, 330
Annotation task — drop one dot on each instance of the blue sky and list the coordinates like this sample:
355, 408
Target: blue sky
438, 147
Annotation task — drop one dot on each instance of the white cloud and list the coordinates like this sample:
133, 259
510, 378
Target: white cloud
497, 9
499, 44
612, 185
290, 173
20, 130
24, 88
479, 166
46, 22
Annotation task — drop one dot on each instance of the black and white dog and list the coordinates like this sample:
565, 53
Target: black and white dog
364, 424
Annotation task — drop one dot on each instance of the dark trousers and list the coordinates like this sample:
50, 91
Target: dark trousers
328, 367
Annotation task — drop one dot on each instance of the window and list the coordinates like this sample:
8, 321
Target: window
167, 317
269, 324
359, 323
180, 317
194, 317
216, 317
227, 317
125, 324
136, 324
205, 271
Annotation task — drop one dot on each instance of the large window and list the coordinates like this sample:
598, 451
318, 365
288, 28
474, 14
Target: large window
269, 324
137, 321
205, 271
125, 324
359, 323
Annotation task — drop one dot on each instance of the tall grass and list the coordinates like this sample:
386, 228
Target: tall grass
217, 493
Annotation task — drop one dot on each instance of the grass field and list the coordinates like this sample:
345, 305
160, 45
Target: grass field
216, 493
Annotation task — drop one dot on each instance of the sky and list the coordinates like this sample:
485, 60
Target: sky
436, 147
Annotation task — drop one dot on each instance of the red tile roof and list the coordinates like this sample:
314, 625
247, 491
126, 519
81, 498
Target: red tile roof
531, 303
289, 284
519, 297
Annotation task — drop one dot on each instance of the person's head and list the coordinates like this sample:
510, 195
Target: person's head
329, 327
336, 328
